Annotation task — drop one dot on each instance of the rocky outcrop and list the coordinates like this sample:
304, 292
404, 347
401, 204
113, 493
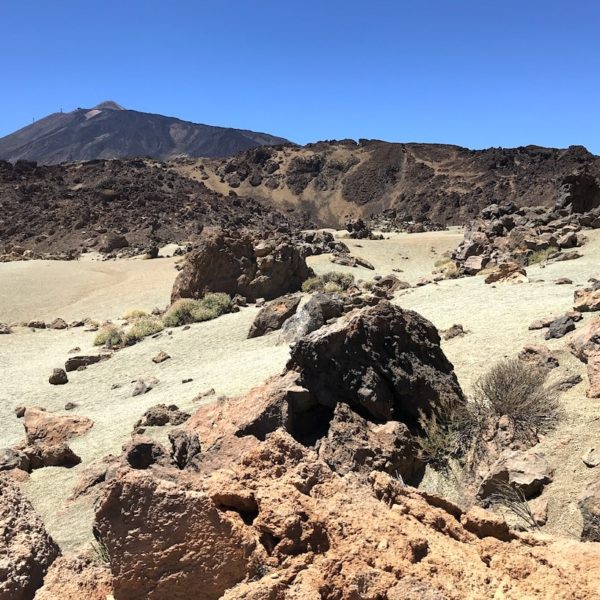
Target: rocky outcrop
26, 549
528, 471
585, 345
166, 542
75, 577
317, 311
385, 362
589, 505
45, 443
280, 523
162, 414
587, 299
234, 263
538, 357
272, 316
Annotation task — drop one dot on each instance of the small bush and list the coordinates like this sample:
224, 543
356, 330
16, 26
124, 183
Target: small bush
539, 256
335, 280
180, 313
110, 336
331, 287
511, 498
312, 284
186, 311
142, 328
520, 392
135, 314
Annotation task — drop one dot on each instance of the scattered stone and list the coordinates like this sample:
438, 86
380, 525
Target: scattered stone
76, 362
591, 458
528, 470
587, 299
13, 458
74, 350
539, 357
161, 414
541, 323
58, 323
508, 272
141, 387
36, 325
188, 380
454, 331
568, 382
226, 261
271, 317
563, 281
111, 242
5, 329
58, 377
160, 357
202, 395
560, 327
539, 510
70, 405
20, 411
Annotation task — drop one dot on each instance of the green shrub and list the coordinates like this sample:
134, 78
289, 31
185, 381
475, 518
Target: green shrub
134, 314
539, 256
142, 328
110, 336
186, 311
334, 280
331, 287
180, 313
312, 284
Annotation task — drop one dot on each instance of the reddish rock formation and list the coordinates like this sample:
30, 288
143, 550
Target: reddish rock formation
234, 263
76, 578
26, 550
271, 317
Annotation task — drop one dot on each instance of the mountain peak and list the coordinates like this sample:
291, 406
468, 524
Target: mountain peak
109, 104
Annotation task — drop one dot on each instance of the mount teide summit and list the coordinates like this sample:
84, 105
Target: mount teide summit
111, 131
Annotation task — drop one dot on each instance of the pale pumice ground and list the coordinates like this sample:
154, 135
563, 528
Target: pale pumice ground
218, 355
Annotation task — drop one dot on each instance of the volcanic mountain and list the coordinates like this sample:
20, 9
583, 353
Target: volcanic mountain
110, 131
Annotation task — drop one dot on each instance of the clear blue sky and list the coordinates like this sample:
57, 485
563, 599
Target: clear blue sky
477, 73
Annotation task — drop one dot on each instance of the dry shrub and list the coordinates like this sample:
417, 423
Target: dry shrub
520, 392
110, 336
510, 388
142, 328
539, 256
187, 311
333, 281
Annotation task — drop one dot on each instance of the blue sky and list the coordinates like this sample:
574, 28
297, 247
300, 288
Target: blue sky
472, 72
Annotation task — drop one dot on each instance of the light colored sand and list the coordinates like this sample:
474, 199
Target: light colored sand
217, 355
413, 254
46, 289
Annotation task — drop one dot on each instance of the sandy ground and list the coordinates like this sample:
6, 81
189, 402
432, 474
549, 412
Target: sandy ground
409, 256
218, 355
46, 289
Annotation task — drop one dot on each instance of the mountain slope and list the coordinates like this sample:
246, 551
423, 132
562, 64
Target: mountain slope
327, 181
110, 131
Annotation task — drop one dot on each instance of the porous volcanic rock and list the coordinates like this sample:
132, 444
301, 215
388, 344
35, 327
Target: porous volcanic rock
383, 361
161, 414
529, 471
58, 377
165, 541
587, 299
538, 356
279, 523
75, 577
75, 362
272, 316
235, 263
26, 549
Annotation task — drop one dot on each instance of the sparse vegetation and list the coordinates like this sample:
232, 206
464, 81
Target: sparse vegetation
520, 392
110, 336
446, 267
539, 256
100, 553
142, 328
511, 389
187, 311
134, 314
333, 281
511, 498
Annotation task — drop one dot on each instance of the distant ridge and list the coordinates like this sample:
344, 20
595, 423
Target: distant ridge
110, 131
